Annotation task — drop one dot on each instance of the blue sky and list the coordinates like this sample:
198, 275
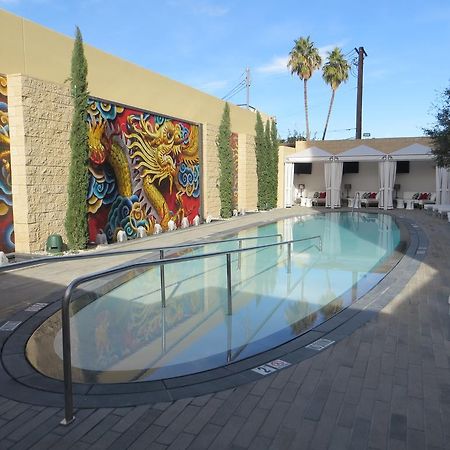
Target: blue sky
208, 44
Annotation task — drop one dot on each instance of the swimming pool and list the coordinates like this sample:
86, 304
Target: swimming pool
121, 333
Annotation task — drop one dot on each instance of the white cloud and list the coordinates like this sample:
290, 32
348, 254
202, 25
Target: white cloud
277, 65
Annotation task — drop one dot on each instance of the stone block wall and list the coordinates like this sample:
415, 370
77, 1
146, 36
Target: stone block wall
40, 117
210, 173
248, 181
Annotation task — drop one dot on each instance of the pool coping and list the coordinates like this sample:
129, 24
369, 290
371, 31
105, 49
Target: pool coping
20, 381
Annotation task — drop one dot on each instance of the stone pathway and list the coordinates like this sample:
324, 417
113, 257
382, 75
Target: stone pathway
386, 386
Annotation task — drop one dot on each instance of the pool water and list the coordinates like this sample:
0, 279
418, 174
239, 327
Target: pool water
126, 335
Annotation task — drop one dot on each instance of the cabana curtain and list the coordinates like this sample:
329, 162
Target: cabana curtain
445, 199
336, 179
333, 179
327, 170
442, 186
386, 174
288, 183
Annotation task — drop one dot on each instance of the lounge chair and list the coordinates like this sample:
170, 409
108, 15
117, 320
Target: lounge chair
418, 199
441, 210
363, 198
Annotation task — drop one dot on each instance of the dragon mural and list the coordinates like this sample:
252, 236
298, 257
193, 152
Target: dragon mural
6, 213
143, 169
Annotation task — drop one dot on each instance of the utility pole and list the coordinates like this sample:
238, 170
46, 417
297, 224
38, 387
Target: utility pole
247, 86
361, 53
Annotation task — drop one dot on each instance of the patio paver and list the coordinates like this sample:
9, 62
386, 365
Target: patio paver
385, 385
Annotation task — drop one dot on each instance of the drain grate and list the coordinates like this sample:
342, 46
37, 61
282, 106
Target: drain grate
11, 325
320, 344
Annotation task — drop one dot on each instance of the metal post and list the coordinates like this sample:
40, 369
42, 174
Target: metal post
247, 86
289, 257
67, 361
239, 254
230, 306
163, 281
163, 334
229, 338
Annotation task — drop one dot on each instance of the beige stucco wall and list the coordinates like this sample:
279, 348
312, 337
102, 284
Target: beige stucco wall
34, 50
40, 114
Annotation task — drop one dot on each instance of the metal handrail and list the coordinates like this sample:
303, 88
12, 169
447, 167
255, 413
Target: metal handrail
65, 319
47, 259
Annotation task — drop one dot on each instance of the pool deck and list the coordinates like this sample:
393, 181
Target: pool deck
384, 384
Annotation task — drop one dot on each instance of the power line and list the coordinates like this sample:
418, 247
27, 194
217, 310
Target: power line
235, 90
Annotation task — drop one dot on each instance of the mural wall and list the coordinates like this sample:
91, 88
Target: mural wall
143, 169
6, 212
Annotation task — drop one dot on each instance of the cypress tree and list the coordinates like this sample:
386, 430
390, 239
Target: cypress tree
268, 172
274, 147
76, 216
225, 164
259, 151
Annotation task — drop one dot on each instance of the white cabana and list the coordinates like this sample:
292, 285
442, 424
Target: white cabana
386, 174
332, 156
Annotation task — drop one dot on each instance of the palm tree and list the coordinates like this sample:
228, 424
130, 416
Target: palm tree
335, 72
304, 59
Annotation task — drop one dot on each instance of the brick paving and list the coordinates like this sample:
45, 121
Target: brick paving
386, 386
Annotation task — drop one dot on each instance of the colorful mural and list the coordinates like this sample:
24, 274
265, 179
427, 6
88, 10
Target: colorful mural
234, 152
6, 212
143, 169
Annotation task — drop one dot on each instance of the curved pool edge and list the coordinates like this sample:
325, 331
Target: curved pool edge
20, 381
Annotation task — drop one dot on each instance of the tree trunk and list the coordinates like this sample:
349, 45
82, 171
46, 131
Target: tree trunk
329, 114
305, 95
